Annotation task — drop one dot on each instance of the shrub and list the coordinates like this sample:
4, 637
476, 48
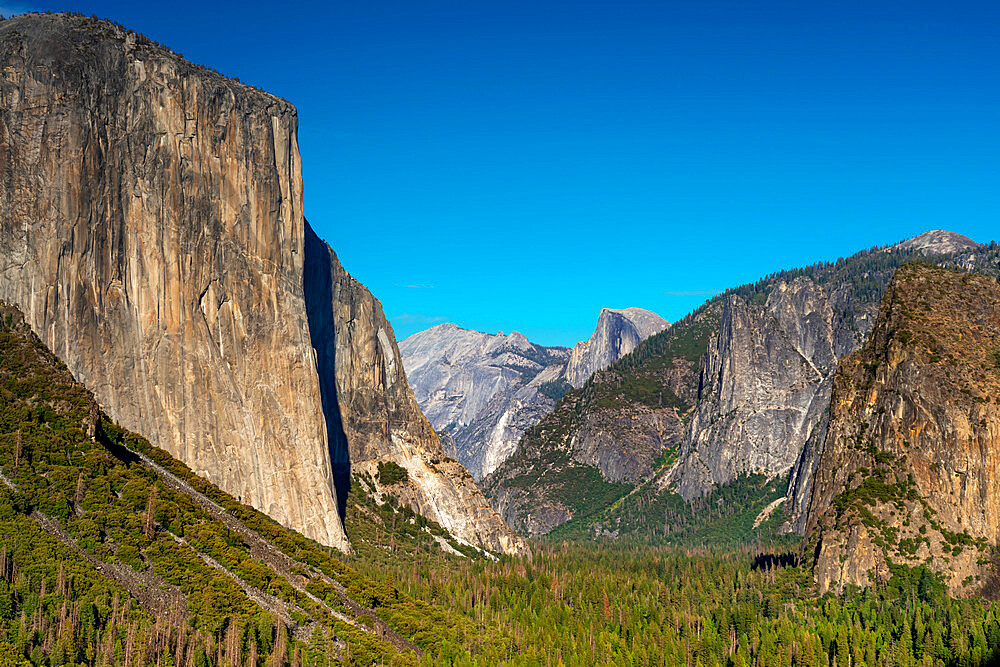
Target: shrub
390, 473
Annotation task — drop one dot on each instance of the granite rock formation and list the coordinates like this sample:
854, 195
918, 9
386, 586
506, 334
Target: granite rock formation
765, 386
485, 390
482, 390
378, 418
618, 332
939, 242
910, 469
750, 378
153, 235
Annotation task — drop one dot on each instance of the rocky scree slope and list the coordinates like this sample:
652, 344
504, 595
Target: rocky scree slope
483, 391
910, 465
153, 236
750, 379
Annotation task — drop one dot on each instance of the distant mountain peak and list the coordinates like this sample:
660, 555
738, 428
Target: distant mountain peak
618, 332
938, 242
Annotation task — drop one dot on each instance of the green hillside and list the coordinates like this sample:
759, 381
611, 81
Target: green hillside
112, 552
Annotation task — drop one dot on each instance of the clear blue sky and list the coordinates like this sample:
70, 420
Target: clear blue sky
519, 165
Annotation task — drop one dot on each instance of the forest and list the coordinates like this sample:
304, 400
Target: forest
113, 553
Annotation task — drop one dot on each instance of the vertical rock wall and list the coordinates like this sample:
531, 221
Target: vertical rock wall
910, 470
152, 233
378, 419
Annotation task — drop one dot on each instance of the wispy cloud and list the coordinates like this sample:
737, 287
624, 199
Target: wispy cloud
417, 318
414, 285
693, 292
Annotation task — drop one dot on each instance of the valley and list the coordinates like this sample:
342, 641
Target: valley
214, 452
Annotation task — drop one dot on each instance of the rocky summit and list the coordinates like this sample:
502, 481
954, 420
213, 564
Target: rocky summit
910, 469
618, 332
483, 391
939, 242
153, 235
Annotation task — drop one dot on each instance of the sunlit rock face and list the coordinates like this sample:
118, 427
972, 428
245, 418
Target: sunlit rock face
765, 387
910, 469
152, 232
939, 242
618, 332
485, 390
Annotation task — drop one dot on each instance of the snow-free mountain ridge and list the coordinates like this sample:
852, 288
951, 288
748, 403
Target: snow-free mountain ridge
482, 391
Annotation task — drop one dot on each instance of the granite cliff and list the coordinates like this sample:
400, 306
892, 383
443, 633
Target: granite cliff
153, 235
748, 377
378, 419
485, 390
618, 332
909, 470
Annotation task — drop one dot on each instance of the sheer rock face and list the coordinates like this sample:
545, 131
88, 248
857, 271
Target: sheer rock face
484, 390
765, 387
152, 233
911, 463
618, 332
381, 420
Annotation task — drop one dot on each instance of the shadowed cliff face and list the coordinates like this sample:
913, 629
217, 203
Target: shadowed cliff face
910, 470
372, 416
318, 288
152, 233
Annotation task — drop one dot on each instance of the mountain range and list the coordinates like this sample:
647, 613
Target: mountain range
213, 451
735, 394
482, 391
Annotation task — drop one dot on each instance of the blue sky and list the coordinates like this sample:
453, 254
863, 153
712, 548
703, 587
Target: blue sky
519, 165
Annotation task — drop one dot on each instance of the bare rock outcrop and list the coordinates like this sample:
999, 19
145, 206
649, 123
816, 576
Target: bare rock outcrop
483, 390
379, 419
939, 242
618, 332
910, 470
152, 233
765, 386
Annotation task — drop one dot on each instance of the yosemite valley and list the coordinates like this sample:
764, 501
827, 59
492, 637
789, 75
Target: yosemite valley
214, 450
